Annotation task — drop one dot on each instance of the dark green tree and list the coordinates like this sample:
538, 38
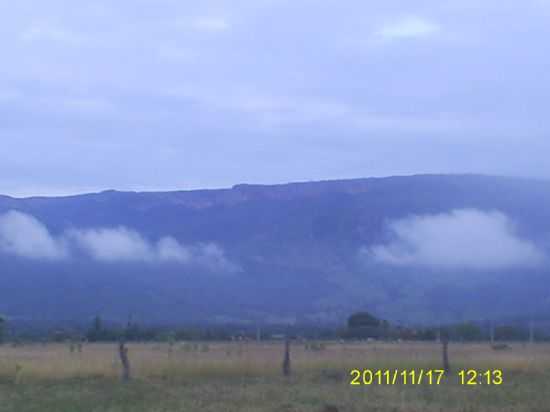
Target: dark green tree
468, 332
96, 332
363, 319
507, 332
2, 329
362, 325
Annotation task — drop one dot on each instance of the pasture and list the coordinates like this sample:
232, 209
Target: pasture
246, 376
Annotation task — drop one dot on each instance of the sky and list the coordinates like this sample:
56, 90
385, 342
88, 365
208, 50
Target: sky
165, 94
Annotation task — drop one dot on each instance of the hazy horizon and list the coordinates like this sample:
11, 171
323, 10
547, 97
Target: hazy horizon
176, 189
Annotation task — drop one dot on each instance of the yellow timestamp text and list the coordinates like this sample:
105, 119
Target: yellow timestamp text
476, 377
424, 377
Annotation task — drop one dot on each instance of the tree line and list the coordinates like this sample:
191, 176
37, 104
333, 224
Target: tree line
359, 326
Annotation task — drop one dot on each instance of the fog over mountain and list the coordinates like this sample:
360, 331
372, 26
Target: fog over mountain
426, 248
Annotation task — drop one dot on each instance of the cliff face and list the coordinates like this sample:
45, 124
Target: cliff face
299, 250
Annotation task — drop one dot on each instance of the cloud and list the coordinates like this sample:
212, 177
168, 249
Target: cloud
462, 239
24, 236
408, 27
211, 24
174, 53
85, 105
111, 245
66, 66
125, 245
53, 34
212, 256
169, 249
10, 95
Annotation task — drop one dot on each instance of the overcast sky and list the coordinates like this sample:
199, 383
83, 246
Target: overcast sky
171, 94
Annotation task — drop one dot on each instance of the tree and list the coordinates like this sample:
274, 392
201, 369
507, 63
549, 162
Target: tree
506, 332
363, 325
96, 332
133, 332
468, 331
2, 329
363, 319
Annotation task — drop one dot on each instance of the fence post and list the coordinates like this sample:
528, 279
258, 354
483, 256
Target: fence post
123, 353
286, 362
445, 347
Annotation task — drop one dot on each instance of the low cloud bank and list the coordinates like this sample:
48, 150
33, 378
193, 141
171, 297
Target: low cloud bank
24, 236
461, 239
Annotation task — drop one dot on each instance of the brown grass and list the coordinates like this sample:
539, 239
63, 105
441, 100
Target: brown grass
248, 376
55, 361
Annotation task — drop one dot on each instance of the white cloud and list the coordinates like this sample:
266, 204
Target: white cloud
169, 249
462, 239
125, 245
86, 105
176, 54
111, 245
212, 256
408, 27
211, 24
10, 95
24, 236
53, 34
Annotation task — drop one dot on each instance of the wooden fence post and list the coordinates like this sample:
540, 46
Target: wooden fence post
123, 353
286, 362
445, 347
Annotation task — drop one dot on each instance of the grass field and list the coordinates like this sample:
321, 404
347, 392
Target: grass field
247, 377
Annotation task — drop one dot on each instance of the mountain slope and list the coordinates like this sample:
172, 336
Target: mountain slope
309, 251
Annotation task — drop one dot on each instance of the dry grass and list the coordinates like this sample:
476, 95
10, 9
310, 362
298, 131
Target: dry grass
247, 378
57, 362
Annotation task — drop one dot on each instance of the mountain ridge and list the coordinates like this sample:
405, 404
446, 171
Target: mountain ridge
263, 186
302, 250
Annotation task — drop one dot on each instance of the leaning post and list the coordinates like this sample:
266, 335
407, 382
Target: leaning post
123, 354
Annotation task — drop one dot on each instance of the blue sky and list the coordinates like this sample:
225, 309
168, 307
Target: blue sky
162, 94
